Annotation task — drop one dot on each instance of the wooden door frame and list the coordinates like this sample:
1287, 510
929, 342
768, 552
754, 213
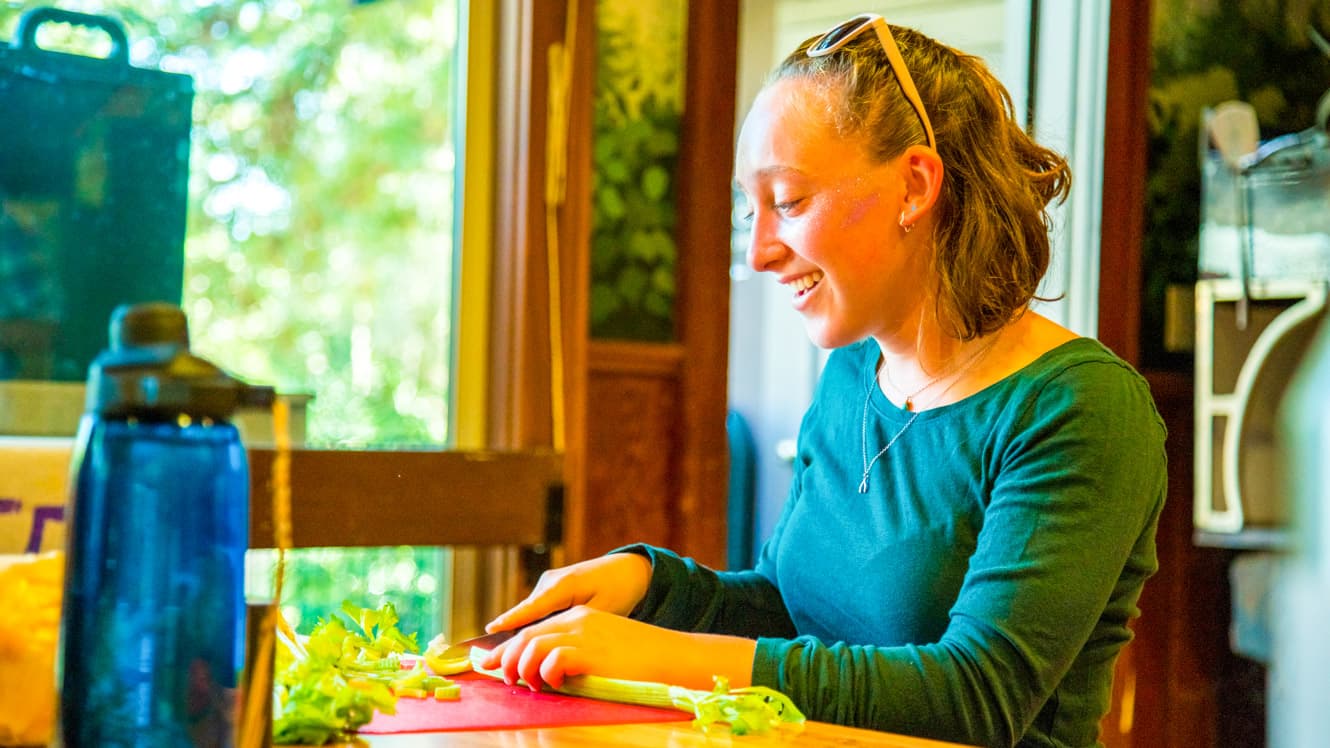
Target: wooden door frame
520, 397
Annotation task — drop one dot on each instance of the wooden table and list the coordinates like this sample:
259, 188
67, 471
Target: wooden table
651, 735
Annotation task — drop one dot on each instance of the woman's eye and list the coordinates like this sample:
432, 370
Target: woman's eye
787, 206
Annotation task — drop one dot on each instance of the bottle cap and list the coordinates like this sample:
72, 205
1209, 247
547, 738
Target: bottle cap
149, 372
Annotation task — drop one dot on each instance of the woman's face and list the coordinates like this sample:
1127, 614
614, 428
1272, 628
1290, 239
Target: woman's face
824, 219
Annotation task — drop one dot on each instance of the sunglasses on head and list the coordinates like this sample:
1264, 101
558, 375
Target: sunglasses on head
841, 34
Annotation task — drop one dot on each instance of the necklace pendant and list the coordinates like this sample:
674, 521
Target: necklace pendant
863, 484
909, 403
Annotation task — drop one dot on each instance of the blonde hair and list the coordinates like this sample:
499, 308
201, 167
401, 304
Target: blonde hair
991, 231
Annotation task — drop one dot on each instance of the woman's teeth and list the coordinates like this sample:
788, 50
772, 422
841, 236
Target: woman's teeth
802, 285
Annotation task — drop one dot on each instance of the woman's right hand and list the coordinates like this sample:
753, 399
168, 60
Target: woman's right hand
614, 583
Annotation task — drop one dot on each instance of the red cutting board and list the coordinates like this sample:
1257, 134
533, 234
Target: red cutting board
489, 704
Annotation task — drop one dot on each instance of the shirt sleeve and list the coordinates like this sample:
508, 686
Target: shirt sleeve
687, 596
1066, 544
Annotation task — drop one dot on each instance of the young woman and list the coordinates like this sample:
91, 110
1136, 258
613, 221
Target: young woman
976, 490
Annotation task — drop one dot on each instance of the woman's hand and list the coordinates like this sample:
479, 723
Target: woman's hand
583, 639
613, 583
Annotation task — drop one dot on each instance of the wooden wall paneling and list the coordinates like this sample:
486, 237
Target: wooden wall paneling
634, 442
1198, 693
1182, 636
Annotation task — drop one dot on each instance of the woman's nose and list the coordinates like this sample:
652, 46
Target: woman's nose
764, 248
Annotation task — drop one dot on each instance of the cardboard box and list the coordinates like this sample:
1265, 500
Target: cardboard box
38, 422
34, 487
35, 408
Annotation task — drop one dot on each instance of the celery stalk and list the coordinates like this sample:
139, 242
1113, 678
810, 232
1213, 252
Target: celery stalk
754, 709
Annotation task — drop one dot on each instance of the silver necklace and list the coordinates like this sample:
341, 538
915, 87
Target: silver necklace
868, 397
868, 464
910, 396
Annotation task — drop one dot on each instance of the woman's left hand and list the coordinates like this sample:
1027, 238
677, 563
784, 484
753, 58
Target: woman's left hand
585, 640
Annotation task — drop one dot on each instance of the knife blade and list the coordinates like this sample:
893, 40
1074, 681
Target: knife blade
486, 641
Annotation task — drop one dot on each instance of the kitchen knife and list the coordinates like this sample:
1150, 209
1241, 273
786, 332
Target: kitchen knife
485, 641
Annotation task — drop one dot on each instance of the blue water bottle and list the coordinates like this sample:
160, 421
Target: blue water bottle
152, 636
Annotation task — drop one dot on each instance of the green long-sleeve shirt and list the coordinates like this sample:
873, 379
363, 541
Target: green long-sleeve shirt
980, 590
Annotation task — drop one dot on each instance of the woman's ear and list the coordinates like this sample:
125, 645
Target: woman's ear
923, 172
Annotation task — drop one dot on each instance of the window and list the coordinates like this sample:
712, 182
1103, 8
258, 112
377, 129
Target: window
318, 222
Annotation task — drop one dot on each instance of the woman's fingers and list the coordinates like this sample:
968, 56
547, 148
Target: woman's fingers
539, 604
613, 583
548, 660
583, 639
509, 656
530, 659
554, 591
542, 653
558, 664
521, 614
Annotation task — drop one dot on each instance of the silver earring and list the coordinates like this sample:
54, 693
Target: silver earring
907, 227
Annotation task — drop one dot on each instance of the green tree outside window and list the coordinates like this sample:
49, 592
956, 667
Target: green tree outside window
319, 249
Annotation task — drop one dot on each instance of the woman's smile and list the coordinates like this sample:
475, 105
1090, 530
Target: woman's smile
803, 285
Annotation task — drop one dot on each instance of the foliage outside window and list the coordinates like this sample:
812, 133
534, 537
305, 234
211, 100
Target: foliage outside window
318, 255
414, 579
638, 108
1206, 53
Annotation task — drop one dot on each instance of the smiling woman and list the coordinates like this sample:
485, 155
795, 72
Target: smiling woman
318, 225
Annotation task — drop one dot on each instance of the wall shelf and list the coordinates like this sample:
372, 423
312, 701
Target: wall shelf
1241, 373
1246, 539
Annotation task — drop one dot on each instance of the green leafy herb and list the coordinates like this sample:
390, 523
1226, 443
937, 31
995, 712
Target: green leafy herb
349, 669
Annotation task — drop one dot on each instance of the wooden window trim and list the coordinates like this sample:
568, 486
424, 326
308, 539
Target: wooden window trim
423, 498
430, 497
